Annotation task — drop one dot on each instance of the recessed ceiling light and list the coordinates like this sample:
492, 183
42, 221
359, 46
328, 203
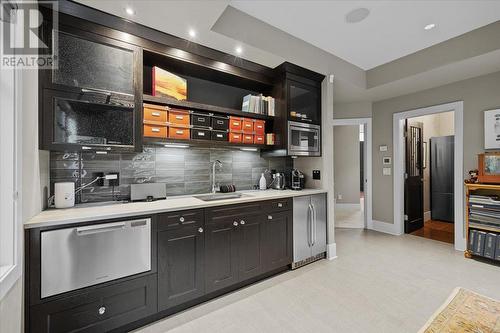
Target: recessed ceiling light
192, 33
357, 15
129, 11
430, 26
238, 50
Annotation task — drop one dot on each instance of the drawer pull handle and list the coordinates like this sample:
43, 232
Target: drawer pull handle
155, 114
269, 217
181, 219
201, 134
179, 117
236, 124
235, 223
242, 222
220, 122
101, 310
280, 204
201, 120
179, 132
155, 130
200, 230
219, 135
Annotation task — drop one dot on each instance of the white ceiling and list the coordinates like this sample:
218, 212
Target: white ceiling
392, 30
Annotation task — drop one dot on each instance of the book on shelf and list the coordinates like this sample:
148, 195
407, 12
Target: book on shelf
478, 247
490, 245
497, 249
258, 104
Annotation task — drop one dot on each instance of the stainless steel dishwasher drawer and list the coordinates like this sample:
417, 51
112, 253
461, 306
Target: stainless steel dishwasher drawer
79, 257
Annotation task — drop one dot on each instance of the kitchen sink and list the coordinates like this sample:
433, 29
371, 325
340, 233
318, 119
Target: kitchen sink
220, 196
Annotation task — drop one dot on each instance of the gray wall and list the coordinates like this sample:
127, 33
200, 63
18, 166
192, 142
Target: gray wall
346, 163
185, 171
352, 110
479, 94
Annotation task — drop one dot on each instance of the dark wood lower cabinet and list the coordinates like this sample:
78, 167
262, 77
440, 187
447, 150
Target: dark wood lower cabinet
200, 254
180, 265
278, 239
221, 255
100, 310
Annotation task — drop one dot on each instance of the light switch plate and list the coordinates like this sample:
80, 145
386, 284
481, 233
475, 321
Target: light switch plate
383, 148
386, 171
316, 174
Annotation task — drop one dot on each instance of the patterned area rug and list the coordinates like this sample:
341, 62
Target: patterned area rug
465, 312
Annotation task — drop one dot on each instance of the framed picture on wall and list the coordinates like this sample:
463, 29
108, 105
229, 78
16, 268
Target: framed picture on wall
492, 129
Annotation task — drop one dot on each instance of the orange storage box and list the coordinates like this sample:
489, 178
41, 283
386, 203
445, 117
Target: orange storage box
259, 127
248, 138
178, 117
258, 139
178, 133
248, 125
155, 113
235, 137
235, 124
155, 131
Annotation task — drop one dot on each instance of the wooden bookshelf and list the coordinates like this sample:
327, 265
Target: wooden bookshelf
203, 107
484, 189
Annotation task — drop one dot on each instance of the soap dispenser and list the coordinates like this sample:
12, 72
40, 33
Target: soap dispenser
262, 182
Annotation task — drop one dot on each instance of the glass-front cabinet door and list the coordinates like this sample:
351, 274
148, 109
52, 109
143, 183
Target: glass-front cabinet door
303, 102
99, 65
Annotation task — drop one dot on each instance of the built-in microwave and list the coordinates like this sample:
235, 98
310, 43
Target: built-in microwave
304, 139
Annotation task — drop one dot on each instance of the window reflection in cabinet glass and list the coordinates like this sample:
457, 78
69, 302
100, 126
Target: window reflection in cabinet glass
79, 122
303, 102
86, 64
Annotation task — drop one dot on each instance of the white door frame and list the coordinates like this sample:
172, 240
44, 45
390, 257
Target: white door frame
399, 165
368, 223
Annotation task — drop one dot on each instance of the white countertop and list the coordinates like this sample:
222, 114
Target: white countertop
58, 217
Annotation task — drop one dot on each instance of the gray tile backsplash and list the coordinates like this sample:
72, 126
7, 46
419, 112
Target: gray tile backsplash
184, 171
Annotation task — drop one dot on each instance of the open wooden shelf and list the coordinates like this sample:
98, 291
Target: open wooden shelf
484, 228
203, 107
202, 143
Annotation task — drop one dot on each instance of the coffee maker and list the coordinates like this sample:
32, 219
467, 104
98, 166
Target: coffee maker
298, 180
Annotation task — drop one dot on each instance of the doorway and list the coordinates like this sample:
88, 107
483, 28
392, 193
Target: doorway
429, 171
404, 146
352, 172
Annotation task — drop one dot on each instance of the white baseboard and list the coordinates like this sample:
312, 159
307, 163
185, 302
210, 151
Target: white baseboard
427, 216
385, 227
331, 251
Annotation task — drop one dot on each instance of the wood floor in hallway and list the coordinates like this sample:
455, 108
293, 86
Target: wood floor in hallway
437, 230
378, 283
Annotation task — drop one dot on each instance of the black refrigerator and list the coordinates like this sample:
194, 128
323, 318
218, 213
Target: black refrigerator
442, 176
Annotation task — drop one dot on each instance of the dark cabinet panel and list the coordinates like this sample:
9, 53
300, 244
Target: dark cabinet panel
250, 247
303, 102
182, 218
278, 240
94, 63
180, 265
221, 255
101, 310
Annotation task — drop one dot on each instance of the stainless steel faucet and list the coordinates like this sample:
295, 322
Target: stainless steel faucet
215, 164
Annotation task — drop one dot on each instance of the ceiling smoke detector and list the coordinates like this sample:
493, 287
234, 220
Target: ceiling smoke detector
357, 15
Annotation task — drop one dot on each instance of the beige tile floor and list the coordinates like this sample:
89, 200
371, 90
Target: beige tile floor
378, 283
350, 215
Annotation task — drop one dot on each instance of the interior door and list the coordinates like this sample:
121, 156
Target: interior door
442, 175
414, 186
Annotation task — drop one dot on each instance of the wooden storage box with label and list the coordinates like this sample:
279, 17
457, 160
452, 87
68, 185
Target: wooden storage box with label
259, 127
178, 117
235, 137
235, 124
220, 123
259, 139
155, 113
219, 135
247, 125
248, 139
182, 133
200, 134
155, 131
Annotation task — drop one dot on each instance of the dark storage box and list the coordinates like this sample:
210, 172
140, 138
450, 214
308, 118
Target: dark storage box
200, 134
200, 119
219, 135
220, 123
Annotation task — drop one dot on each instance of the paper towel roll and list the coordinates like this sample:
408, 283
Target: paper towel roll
64, 194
